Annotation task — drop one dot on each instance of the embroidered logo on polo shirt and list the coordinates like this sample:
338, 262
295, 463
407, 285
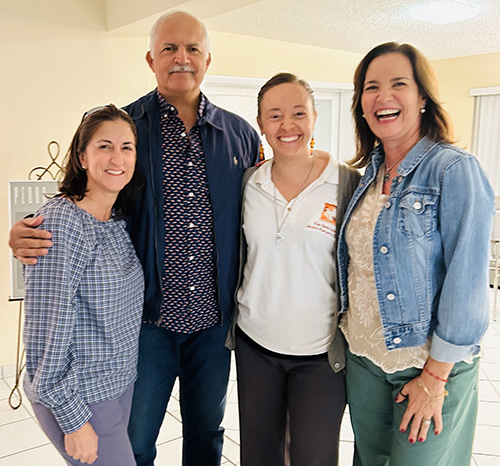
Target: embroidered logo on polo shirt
327, 222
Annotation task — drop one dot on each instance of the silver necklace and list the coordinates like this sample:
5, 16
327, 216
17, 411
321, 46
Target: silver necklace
387, 174
278, 237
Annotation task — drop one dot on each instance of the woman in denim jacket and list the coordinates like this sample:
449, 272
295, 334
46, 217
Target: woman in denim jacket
413, 261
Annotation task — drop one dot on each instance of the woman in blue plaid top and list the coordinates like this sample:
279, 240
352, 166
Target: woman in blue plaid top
84, 299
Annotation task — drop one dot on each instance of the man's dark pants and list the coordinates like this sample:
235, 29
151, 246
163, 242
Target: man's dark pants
201, 361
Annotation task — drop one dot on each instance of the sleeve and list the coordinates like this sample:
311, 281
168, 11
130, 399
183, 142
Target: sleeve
465, 221
51, 310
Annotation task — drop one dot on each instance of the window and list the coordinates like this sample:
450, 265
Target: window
486, 132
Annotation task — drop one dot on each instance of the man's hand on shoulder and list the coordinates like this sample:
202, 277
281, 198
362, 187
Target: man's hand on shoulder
28, 242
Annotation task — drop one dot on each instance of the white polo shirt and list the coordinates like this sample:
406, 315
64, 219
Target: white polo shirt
287, 300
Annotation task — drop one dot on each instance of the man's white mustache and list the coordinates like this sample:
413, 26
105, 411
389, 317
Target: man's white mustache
182, 69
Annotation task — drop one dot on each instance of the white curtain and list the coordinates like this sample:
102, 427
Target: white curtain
486, 136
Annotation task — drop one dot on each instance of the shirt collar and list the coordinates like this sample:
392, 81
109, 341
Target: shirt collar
167, 108
412, 159
262, 176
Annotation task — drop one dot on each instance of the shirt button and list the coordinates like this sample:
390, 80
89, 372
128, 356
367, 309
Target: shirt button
191, 288
165, 115
183, 135
336, 365
191, 194
391, 296
191, 258
384, 250
397, 340
191, 225
172, 108
387, 204
417, 205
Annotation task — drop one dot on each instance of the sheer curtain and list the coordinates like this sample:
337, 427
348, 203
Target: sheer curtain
486, 132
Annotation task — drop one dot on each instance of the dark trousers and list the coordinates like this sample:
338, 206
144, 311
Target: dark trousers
290, 408
201, 361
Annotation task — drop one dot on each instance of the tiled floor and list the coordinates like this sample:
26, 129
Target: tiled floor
22, 443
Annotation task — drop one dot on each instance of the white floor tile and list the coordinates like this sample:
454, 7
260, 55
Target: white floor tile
484, 460
488, 414
346, 452
231, 451
232, 392
232, 373
169, 454
486, 441
231, 417
4, 391
346, 432
20, 436
491, 370
9, 415
41, 456
491, 341
171, 429
233, 434
492, 355
487, 391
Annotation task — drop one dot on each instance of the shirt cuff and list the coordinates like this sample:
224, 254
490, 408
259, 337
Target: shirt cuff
73, 415
444, 351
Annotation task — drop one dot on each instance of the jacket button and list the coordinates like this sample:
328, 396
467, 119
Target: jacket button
417, 205
384, 250
336, 365
397, 340
387, 204
391, 296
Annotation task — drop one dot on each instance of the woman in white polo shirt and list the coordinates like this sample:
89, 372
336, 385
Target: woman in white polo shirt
289, 353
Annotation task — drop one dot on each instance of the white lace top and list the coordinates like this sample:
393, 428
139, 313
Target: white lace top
362, 325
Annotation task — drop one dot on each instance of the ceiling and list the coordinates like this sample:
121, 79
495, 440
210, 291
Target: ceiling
349, 25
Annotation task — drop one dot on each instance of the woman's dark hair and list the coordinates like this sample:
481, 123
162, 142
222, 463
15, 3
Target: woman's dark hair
74, 182
282, 78
435, 122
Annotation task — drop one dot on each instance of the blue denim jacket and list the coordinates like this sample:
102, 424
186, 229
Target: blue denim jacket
430, 250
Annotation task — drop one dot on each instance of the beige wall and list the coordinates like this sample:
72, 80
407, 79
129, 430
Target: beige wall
457, 76
65, 63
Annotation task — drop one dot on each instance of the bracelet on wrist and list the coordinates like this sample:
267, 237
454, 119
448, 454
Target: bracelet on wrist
435, 376
422, 385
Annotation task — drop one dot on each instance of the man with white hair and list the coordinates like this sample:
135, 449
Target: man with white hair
185, 228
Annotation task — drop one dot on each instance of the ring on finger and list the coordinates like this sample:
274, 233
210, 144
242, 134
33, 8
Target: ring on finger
426, 422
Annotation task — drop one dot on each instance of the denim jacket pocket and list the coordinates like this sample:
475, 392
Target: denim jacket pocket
418, 213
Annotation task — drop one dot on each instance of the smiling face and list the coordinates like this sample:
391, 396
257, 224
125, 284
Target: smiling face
109, 158
391, 100
287, 119
179, 57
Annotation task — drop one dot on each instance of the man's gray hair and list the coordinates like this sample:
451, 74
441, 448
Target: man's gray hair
154, 30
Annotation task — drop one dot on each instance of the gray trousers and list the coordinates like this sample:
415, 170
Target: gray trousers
290, 407
109, 420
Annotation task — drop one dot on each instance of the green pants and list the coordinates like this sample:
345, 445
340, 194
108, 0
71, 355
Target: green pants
375, 417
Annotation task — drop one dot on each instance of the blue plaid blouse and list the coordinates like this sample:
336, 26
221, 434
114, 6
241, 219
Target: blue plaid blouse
83, 309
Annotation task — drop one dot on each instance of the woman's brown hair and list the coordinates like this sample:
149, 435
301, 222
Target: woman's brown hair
435, 122
74, 182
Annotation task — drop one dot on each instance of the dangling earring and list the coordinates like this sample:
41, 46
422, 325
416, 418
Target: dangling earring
261, 153
422, 110
312, 144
